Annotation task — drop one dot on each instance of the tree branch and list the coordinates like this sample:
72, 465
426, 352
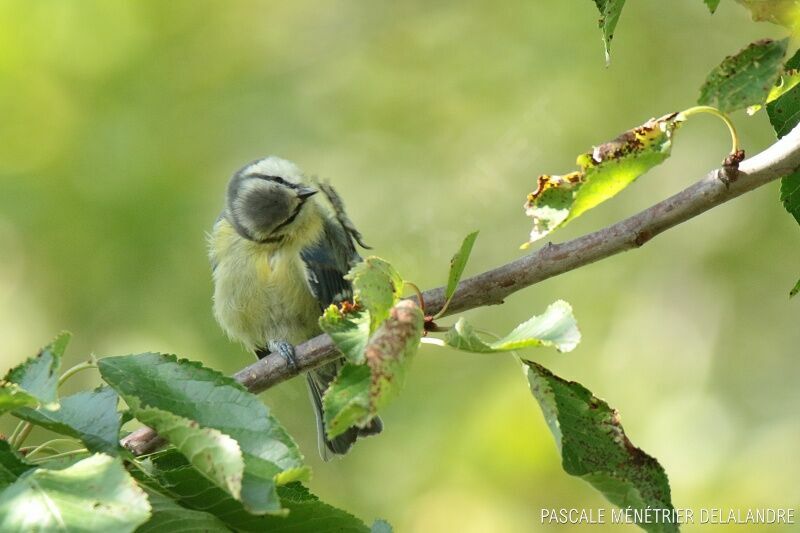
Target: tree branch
491, 287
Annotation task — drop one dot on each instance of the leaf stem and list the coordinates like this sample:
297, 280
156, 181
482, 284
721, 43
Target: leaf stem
91, 363
32, 450
25, 429
61, 455
696, 110
420, 298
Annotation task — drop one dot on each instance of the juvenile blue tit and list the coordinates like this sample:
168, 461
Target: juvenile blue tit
279, 257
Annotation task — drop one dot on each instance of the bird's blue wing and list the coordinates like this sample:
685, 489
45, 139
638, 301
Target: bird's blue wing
327, 262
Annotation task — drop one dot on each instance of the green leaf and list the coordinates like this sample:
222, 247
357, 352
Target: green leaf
610, 11
604, 172
90, 416
346, 403
36, 380
349, 330
458, 262
795, 290
167, 515
594, 446
712, 5
377, 287
95, 494
11, 465
171, 473
360, 391
555, 327
179, 398
790, 194
781, 12
745, 78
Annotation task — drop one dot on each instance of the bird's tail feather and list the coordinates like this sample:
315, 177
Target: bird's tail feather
318, 381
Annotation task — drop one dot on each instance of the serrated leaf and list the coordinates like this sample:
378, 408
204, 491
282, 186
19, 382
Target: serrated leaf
377, 286
795, 289
90, 416
610, 11
555, 327
603, 173
162, 384
11, 465
745, 78
349, 330
712, 5
94, 494
788, 80
36, 380
171, 474
360, 391
594, 447
458, 262
790, 194
169, 516
782, 12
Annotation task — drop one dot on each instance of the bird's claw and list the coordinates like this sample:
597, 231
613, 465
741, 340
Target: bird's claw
285, 350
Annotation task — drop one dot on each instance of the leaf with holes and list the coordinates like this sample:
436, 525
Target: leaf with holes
594, 447
556, 327
603, 173
348, 327
377, 287
610, 10
94, 494
207, 415
745, 78
90, 416
360, 391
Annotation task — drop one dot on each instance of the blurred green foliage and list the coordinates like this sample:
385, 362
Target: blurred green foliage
121, 122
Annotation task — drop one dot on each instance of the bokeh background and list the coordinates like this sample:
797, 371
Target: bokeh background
120, 123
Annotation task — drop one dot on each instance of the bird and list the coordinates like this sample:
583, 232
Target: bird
279, 258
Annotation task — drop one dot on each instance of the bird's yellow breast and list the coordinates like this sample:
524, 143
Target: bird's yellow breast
260, 290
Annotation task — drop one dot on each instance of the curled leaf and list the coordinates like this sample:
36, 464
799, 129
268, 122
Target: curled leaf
348, 327
377, 286
555, 327
603, 172
361, 390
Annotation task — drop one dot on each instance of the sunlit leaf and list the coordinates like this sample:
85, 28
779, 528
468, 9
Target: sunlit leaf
349, 330
90, 416
610, 11
169, 472
555, 327
360, 391
604, 172
458, 262
712, 5
173, 395
35, 382
95, 494
783, 12
745, 78
376, 286
594, 446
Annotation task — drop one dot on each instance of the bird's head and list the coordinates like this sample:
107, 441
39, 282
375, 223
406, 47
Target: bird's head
269, 201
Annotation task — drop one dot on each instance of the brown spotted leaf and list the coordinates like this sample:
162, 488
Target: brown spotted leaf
603, 173
594, 447
361, 390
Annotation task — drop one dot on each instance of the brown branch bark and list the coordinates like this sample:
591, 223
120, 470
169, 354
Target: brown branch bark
493, 286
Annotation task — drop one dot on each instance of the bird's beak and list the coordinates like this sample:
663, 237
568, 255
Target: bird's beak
306, 192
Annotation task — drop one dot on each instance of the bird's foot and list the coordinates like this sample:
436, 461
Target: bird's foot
285, 350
